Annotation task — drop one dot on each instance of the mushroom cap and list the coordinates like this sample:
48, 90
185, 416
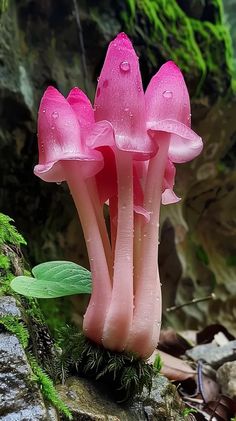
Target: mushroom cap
59, 139
168, 110
120, 99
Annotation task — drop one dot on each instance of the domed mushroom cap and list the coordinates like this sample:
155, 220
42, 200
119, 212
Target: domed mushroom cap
59, 139
82, 107
120, 98
168, 110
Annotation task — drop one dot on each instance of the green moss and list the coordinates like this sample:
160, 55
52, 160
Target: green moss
35, 336
167, 33
201, 49
10, 242
48, 389
216, 46
124, 375
3, 6
8, 233
14, 325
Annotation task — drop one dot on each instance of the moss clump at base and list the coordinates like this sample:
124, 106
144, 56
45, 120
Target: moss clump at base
123, 375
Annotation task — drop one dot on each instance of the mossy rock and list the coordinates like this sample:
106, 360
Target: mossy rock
89, 401
201, 48
25, 340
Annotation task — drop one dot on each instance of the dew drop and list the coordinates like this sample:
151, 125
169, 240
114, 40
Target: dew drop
59, 183
125, 66
105, 83
130, 114
97, 79
55, 115
44, 111
126, 109
167, 94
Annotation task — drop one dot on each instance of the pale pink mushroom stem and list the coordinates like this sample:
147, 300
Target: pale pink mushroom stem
138, 222
98, 207
147, 312
97, 308
119, 317
113, 204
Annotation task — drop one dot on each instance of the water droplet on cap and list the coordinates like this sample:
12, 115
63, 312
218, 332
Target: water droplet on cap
44, 111
125, 66
55, 115
167, 94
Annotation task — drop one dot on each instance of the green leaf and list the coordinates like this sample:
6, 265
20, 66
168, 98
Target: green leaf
54, 279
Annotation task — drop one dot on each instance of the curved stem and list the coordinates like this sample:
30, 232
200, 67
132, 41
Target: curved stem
147, 313
101, 292
120, 313
93, 192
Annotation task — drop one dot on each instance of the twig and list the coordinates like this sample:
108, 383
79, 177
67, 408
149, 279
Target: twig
194, 301
194, 400
81, 41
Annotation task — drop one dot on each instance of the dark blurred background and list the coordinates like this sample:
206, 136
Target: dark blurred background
63, 43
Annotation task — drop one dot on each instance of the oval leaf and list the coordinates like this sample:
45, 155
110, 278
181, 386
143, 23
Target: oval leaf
54, 279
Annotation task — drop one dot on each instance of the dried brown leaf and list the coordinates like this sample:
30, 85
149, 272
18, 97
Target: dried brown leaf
223, 409
174, 368
207, 334
172, 343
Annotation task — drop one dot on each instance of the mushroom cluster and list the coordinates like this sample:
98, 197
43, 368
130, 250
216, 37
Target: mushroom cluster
121, 152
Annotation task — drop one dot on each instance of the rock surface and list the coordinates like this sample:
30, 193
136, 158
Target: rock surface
213, 354
9, 307
89, 402
20, 397
226, 376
